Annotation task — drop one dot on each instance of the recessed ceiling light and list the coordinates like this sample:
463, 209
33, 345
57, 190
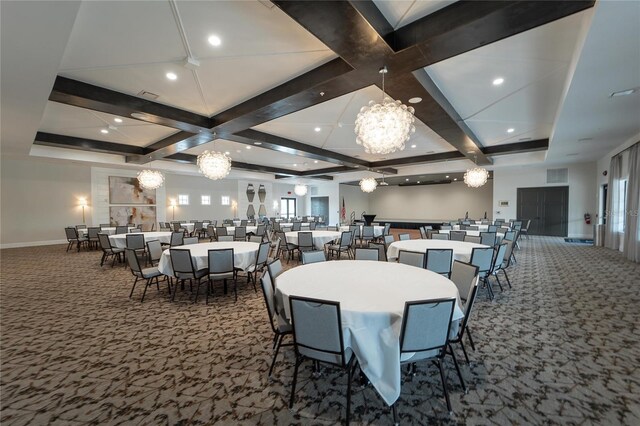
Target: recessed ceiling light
227, 152
257, 143
624, 92
105, 131
413, 146
317, 129
407, 180
118, 120
470, 152
248, 147
455, 178
447, 176
315, 161
214, 40
295, 165
510, 130
498, 81
415, 100
418, 182
171, 76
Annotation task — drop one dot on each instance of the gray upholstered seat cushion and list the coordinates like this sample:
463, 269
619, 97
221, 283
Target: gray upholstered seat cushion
221, 276
151, 272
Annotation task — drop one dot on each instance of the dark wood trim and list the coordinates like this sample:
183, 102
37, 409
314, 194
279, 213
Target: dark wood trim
71, 142
175, 148
420, 159
517, 147
237, 165
321, 177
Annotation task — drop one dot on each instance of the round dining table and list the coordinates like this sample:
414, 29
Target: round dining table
500, 235
461, 250
250, 228
372, 297
377, 230
244, 255
190, 226
320, 238
109, 230
120, 240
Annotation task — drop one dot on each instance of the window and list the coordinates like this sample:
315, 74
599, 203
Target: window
206, 200
288, 208
622, 206
226, 200
183, 199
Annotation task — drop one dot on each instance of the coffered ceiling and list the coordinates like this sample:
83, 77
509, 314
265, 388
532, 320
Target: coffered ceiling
283, 88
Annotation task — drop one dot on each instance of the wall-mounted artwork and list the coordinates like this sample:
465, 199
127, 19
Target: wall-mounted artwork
127, 190
250, 192
251, 212
262, 211
140, 215
262, 193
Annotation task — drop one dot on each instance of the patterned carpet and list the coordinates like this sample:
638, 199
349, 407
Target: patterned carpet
561, 347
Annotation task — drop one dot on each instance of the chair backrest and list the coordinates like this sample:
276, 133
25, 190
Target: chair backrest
177, 239
240, 232
387, 228
463, 276
105, 243
269, 297
411, 258
503, 230
261, 229
431, 232
388, 239
404, 237
317, 329
425, 325
446, 227
488, 238
105, 225
423, 233
71, 233
468, 305
244, 222
92, 232
133, 261
122, 229
367, 232
221, 230
473, 228
155, 250
221, 261
482, 257
263, 254
457, 235
355, 230
472, 239
190, 240
275, 269
255, 239
498, 259
382, 250
181, 262
222, 238
492, 228
439, 236
81, 226
296, 226
312, 226
345, 239
313, 257
305, 240
510, 236
507, 254
367, 254
211, 231
135, 241
439, 260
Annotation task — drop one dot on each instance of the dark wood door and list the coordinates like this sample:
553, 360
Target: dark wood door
547, 207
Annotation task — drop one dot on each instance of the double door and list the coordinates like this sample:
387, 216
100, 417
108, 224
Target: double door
547, 207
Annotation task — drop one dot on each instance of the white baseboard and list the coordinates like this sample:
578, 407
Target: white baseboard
33, 244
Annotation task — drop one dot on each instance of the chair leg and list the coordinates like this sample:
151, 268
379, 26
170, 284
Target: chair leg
455, 363
279, 338
102, 259
498, 281
395, 415
134, 286
197, 292
349, 389
464, 351
504, 271
146, 285
295, 379
470, 339
175, 290
444, 386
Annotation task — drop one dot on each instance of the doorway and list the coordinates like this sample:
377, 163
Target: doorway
320, 207
548, 209
287, 208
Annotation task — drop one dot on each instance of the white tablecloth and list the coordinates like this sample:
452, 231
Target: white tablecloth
377, 230
189, 226
481, 228
461, 250
120, 240
244, 255
290, 224
232, 229
372, 297
109, 230
500, 235
320, 238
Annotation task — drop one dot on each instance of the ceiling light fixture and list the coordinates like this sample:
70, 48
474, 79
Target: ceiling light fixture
118, 120
413, 146
407, 180
247, 147
383, 183
476, 177
368, 184
317, 129
315, 161
150, 179
498, 81
227, 152
447, 177
172, 76
300, 190
510, 130
214, 40
415, 100
214, 165
257, 143
105, 131
385, 127
418, 182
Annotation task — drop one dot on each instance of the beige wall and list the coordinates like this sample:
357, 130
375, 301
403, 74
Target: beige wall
431, 202
354, 200
39, 198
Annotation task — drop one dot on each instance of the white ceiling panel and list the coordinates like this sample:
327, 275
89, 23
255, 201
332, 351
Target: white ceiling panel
262, 156
83, 123
402, 12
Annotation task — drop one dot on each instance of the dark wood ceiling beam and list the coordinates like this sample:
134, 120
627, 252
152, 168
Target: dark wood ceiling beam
237, 165
466, 25
173, 148
62, 141
517, 147
321, 177
84, 95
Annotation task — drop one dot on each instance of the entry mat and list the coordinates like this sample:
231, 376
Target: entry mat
579, 240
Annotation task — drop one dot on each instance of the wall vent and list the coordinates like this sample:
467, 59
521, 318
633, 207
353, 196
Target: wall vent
148, 95
314, 190
557, 175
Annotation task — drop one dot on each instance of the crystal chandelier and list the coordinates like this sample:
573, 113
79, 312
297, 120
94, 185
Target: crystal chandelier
476, 177
150, 179
368, 184
300, 190
214, 165
384, 128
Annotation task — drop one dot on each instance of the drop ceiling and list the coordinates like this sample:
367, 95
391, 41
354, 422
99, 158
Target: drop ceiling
557, 78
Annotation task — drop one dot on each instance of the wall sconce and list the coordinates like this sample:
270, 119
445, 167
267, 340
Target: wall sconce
83, 204
173, 203
234, 207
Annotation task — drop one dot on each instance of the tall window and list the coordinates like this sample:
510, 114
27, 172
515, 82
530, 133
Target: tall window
622, 205
225, 200
206, 200
288, 208
183, 199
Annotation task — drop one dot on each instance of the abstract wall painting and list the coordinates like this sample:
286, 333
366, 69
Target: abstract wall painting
127, 190
140, 215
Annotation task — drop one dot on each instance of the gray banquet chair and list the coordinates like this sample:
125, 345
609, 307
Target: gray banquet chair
366, 254
184, 269
107, 250
221, 267
411, 258
482, 257
439, 261
280, 325
148, 274
314, 256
